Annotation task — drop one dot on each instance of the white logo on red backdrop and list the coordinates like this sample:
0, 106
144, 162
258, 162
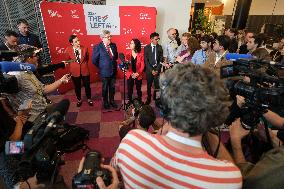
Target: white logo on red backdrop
53, 13
100, 18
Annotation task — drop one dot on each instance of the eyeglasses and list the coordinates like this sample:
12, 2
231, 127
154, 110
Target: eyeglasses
109, 37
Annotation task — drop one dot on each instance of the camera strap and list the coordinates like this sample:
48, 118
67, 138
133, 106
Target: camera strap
184, 140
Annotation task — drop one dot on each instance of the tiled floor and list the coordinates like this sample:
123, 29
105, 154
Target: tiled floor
103, 126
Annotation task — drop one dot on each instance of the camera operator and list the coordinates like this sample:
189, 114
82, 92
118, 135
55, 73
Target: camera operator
267, 172
140, 119
31, 88
272, 117
10, 129
193, 101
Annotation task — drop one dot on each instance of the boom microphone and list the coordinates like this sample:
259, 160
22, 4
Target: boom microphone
57, 114
6, 66
236, 56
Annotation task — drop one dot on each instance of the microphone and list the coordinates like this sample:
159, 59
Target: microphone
124, 64
68, 61
6, 66
121, 57
236, 56
57, 114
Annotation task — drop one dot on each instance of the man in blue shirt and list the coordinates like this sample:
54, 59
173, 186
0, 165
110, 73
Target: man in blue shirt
25, 37
201, 55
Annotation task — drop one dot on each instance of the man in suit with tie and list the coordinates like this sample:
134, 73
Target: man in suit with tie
153, 56
105, 58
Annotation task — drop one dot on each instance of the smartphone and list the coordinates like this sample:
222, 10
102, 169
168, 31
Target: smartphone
14, 147
25, 105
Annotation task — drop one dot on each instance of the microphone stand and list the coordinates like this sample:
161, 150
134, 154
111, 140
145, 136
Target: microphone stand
123, 105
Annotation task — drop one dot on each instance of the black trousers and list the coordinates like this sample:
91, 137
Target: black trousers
130, 85
150, 79
86, 83
108, 88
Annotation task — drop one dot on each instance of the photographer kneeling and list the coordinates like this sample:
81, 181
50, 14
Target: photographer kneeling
193, 100
142, 119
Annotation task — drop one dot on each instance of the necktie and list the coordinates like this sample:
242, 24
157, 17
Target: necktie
77, 54
109, 52
154, 53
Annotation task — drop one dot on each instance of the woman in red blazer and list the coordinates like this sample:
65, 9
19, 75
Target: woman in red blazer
135, 69
79, 68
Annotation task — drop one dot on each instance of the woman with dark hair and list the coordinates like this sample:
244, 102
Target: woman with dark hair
135, 69
79, 68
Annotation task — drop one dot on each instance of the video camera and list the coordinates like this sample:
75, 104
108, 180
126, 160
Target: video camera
44, 144
91, 170
8, 84
265, 89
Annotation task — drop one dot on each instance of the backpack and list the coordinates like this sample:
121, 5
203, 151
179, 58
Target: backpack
72, 138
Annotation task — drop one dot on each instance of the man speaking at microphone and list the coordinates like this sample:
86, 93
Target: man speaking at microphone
105, 58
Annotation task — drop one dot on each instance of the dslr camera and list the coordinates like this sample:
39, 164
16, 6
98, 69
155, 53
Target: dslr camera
91, 170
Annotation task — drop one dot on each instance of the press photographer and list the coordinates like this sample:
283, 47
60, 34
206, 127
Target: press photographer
194, 101
31, 88
43, 146
142, 117
93, 174
268, 171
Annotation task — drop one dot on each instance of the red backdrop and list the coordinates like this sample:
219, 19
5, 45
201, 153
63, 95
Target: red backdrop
63, 19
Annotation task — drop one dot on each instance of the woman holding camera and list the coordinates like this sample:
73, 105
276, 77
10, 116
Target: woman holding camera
135, 69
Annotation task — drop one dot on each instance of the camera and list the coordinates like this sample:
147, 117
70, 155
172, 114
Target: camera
7, 55
44, 144
8, 84
91, 170
262, 92
14, 147
137, 104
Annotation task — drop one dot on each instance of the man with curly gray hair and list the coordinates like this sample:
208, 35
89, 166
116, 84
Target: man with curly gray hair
193, 100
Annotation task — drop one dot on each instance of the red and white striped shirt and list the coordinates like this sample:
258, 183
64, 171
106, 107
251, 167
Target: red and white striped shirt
147, 161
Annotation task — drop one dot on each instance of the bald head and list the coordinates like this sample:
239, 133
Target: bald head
172, 34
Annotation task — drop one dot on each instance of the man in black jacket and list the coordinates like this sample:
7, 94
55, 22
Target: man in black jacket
10, 43
153, 56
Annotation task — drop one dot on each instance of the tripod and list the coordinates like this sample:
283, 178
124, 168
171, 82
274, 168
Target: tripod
123, 105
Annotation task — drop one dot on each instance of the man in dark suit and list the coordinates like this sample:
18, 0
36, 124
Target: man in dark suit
11, 42
105, 58
26, 37
153, 56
